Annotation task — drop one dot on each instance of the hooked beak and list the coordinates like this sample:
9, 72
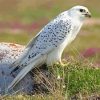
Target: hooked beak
88, 14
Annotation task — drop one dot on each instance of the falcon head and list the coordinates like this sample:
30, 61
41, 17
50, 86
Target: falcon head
79, 12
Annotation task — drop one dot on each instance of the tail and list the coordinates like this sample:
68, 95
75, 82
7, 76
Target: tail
24, 71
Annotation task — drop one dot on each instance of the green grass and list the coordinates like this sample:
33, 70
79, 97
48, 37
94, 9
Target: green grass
77, 79
83, 80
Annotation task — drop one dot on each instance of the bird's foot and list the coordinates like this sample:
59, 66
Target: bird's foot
63, 64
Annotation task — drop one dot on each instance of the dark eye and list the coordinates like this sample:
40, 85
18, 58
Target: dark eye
81, 10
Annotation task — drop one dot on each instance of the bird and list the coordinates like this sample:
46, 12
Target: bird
48, 45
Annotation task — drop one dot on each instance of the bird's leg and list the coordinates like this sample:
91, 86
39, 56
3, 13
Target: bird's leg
58, 73
63, 74
59, 76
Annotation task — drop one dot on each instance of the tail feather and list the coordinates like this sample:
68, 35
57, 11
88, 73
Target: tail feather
16, 67
25, 70
20, 59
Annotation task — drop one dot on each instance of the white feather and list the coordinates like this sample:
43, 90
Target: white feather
24, 71
51, 41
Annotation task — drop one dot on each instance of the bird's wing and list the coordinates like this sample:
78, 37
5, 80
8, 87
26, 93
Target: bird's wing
25, 52
36, 61
31, 42
50, 37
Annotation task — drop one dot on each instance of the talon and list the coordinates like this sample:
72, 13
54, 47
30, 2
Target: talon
64, 64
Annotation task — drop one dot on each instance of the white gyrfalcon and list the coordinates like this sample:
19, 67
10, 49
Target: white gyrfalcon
48, 45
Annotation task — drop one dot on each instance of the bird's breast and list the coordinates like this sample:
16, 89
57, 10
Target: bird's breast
55, 55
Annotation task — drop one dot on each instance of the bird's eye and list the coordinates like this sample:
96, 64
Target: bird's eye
81, 10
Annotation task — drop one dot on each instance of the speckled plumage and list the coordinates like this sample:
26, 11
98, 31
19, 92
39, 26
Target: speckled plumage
47, 47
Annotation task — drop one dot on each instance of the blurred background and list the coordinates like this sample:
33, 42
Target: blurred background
20, 20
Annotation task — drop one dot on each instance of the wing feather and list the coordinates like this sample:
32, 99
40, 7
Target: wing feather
25, 70
26, 51
49, 38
